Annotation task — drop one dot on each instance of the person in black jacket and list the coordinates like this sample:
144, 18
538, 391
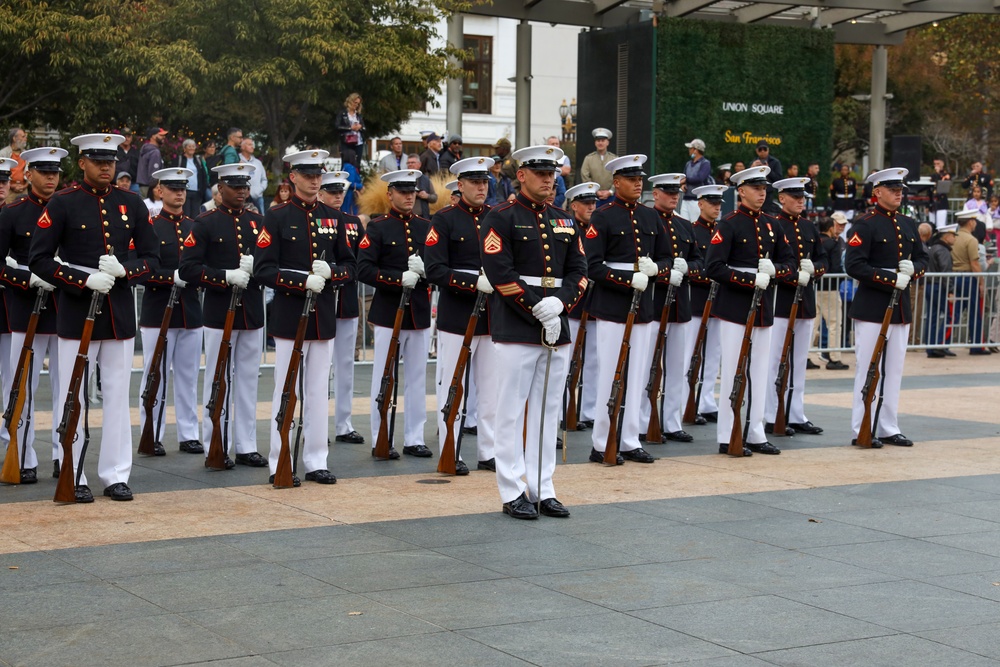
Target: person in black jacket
936, 292
351, 127
829, 306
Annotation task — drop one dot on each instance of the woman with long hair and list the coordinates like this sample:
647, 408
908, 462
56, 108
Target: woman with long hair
351, 126
282, 194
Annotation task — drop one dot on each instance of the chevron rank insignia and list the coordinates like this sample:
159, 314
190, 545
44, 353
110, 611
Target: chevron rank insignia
492, 244
855, 240
716, 237
263, 239
432, 238
364, 242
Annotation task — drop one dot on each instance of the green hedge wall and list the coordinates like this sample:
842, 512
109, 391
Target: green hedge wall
703, 64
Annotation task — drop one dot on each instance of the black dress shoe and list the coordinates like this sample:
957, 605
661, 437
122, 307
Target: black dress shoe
296, 482
699, 420
520, 508
769, 429
876, 443
979, 351
419, 451
321, 477
949, 353
638, 455
836, 366
470, 430
711, 416
192, 447
55, 470
763, 448
83, 494
393, 454
119, 491
229, 463
807, 427
899, 440
29, 475
589, 423
724, 449
353, 438
488, 464
580, 426
158, 449
811, 365
461, 469
253, 459
552, 507
680, 436
935, 354
598, 457
559, 442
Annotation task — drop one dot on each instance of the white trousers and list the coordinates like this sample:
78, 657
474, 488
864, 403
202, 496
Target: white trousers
610, 336
44, 345
730, 341
114, 463
688, 209
587, 407
520, 380
800, 352
483, 373
182, 356
865, 335
709, 363
342, 352
241, 397
7, 375
674, 377
413, 360
314, 373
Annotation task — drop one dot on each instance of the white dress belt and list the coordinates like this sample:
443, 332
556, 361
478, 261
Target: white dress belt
743, 269
621, 266
81, 267
538, 281
466, 271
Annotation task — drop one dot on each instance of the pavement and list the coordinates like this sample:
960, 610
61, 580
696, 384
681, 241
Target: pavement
824, 555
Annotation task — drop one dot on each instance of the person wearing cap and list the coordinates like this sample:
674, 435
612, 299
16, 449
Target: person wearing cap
332, 192
687, 262
150, 159
884, 253
811, 262
124, 180
829, 306
765, 159
218, 255
533, 256
966, 259
92, 226
626, 246
936, 292
390, 258
453, 263
593, 167
582, 201
18, 223
746, 251
697, 172
844, 192
182, 353
304, 248
508, 165
7, 166
709, 209
455, 193
430, 159
452, 153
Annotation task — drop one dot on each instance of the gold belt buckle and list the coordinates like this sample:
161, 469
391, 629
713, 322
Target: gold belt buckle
548, 282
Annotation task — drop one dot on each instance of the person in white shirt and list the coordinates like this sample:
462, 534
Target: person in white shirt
258, 178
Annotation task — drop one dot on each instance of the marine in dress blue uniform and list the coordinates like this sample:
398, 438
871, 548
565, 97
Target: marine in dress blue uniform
582, 202
6, 164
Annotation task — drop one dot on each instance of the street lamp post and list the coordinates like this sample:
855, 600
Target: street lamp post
568, 115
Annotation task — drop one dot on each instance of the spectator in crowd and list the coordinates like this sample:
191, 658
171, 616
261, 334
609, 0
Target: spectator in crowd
258, 178
738, 166
977, 202
940, 206
508, 166
559, 192
500, 188
123, 180
829, 307
430, 159
723, 173
965, 259
351, 127
765, 159
212, 160
18, 142
350, 203
214, 202
282, 194
230, 153
977, 176
993, 219
937, 289
593, 168
452, 154
396, 159
197, 185
425, 189
150, 159
152, 200
793, 171
697, 172
566, 167
128, 158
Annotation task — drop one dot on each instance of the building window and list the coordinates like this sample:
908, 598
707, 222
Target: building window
477, 93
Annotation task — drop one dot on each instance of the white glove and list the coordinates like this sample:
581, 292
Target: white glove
100, 282
110, 265
11, 262
764, 265
806, 264
804, 278
177, 280
547, 309
237, 277
410, 279
35, 281
676, 277
315, 283
639, 281
321, 269
902, 280
552, 329
483, 285
762, 280
246, 263
906, 267
416, 264
648, 267
680, 264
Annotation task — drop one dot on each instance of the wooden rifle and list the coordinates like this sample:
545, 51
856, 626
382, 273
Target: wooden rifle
781, 382
149, 437
66, 486
11, 472
447, 462
694, 374
740, 380
865, 433
571, 416
654, 430
386, 389
617, 395
216, 459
